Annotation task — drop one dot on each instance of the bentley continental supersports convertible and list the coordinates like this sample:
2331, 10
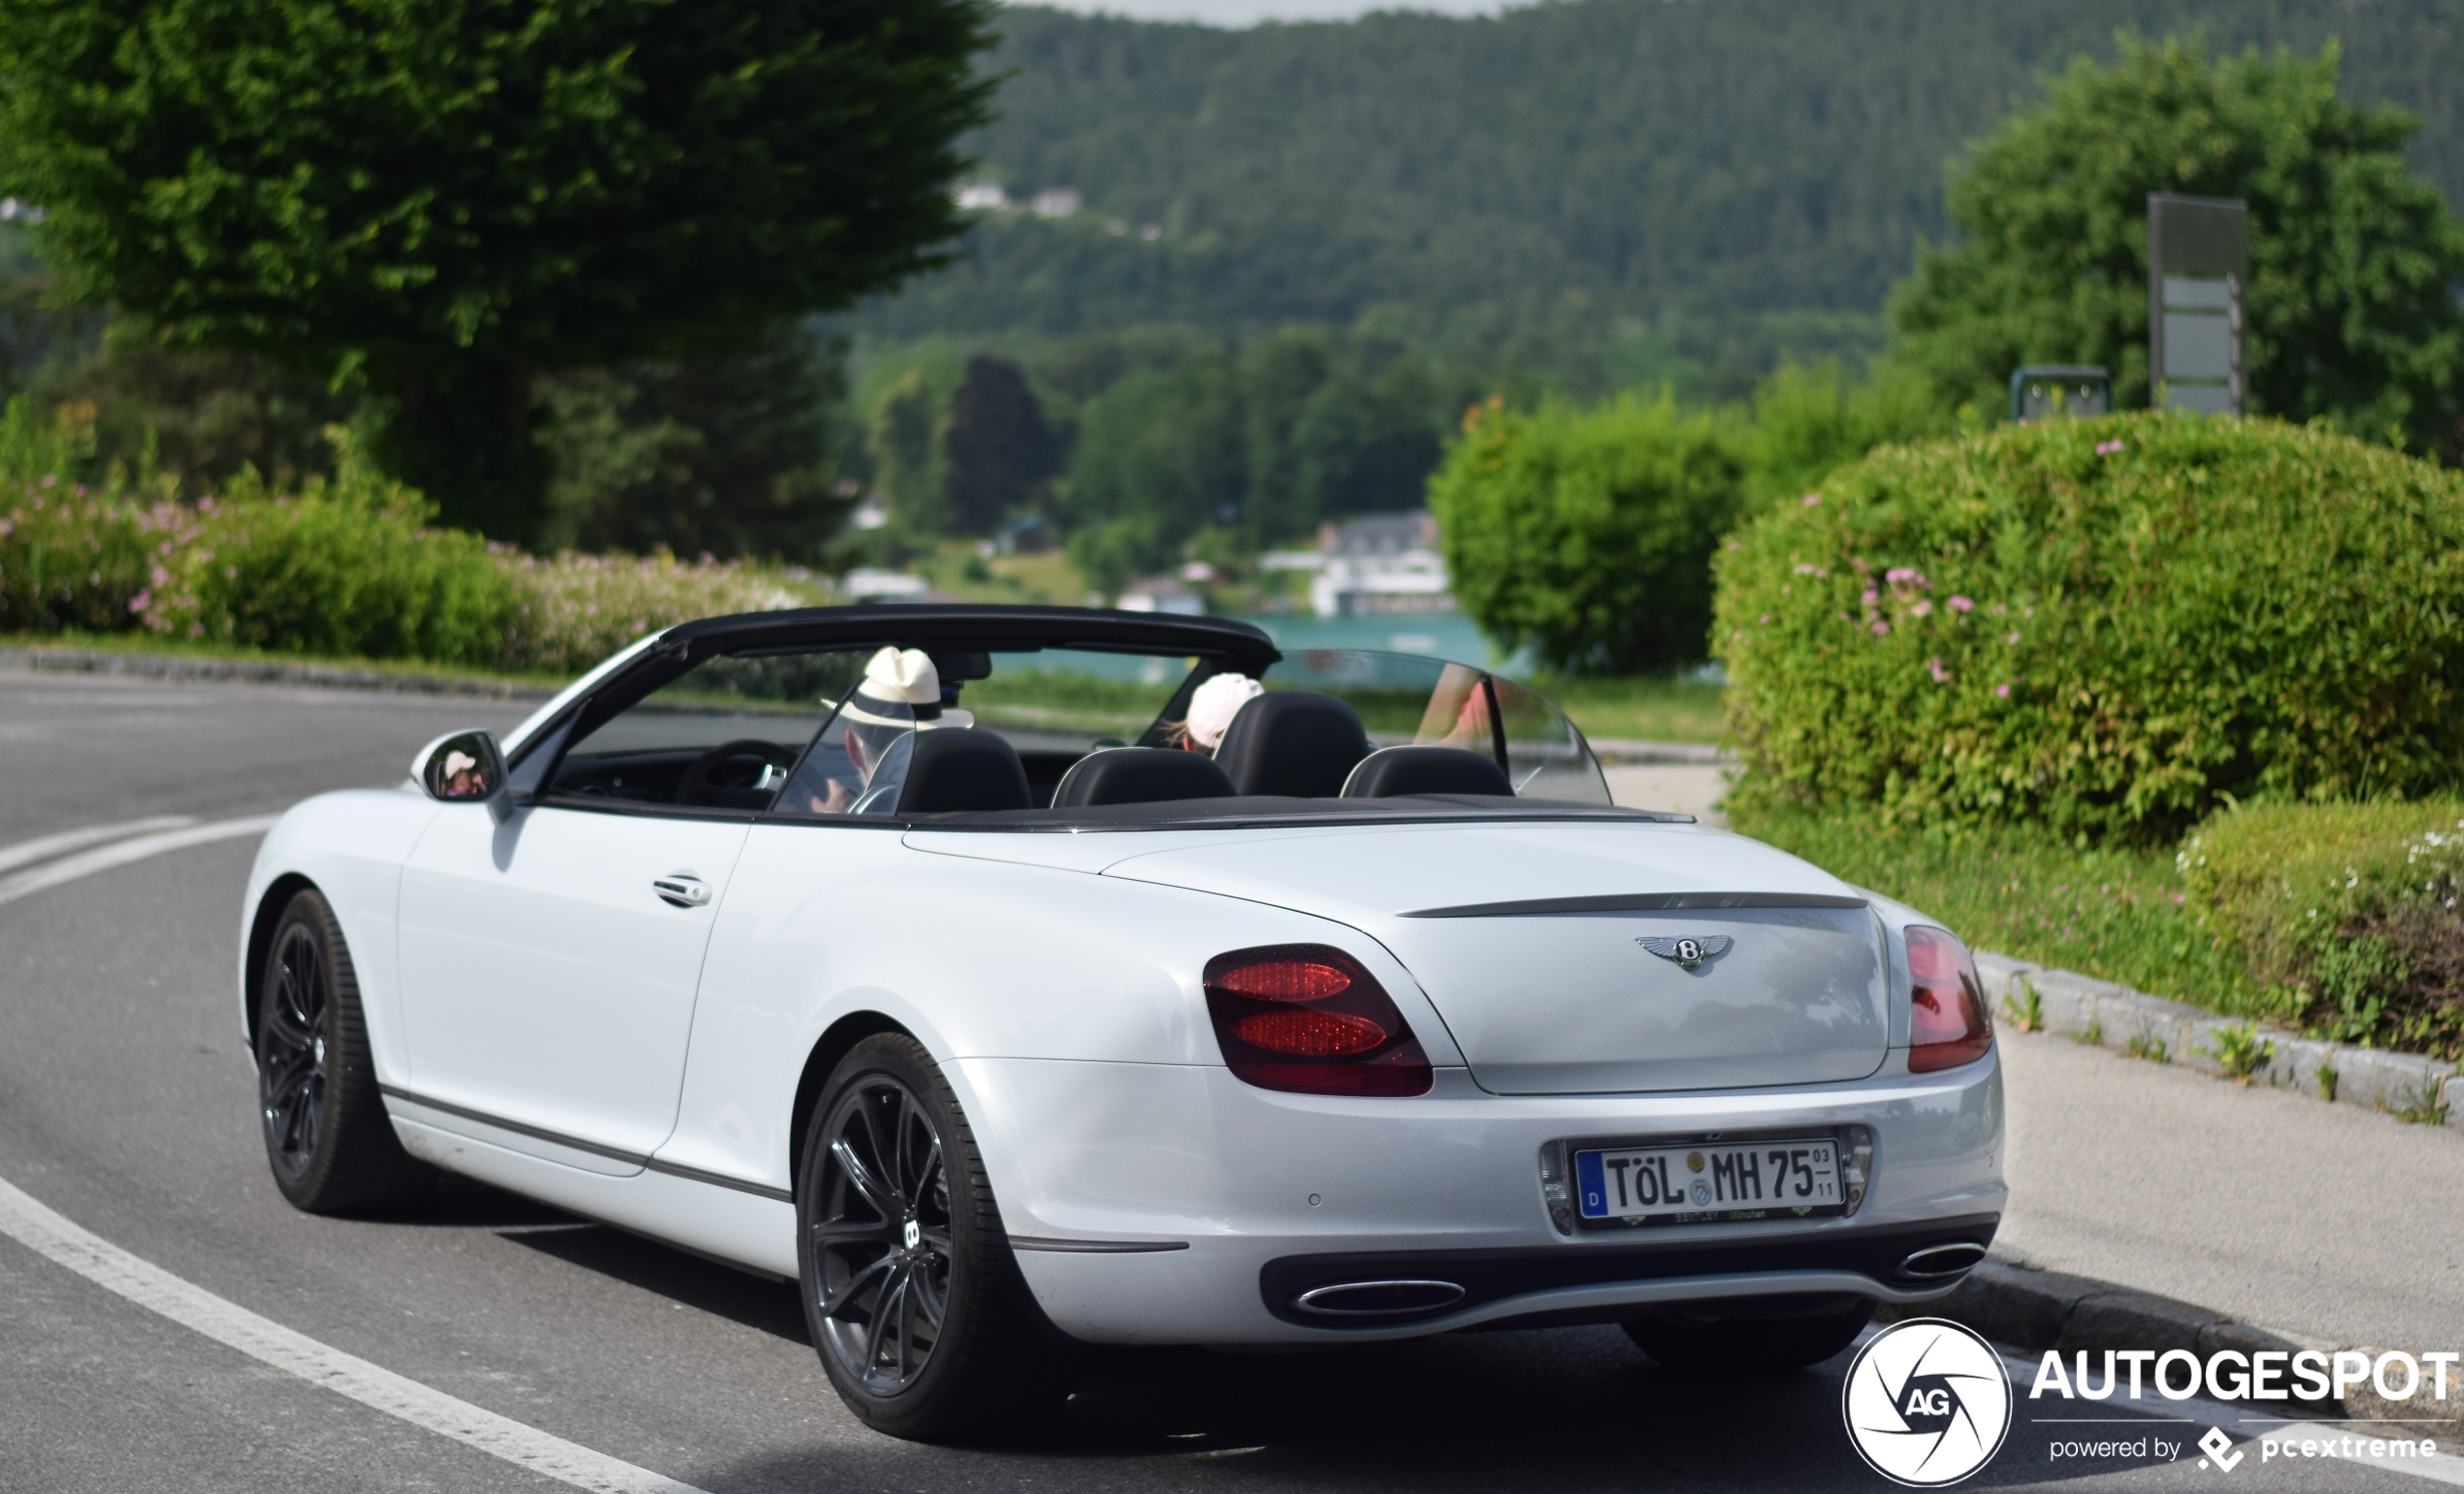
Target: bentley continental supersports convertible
1014, 977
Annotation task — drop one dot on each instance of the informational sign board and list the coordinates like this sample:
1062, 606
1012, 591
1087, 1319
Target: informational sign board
2198, 263
2057, 391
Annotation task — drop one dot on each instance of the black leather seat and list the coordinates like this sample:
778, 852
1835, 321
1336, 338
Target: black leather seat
1294, 742
1140, 775
1393, 772
962, 769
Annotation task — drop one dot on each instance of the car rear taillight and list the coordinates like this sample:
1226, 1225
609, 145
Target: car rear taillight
1948, 1025
1308, 1018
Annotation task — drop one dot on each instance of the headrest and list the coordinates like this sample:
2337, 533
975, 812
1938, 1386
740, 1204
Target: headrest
1294, 742
962, 769
1140, 775
1393, 772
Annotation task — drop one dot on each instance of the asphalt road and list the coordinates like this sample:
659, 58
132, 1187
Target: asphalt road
125, 1105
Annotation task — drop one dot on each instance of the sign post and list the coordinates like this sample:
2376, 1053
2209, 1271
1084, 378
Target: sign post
2198, 264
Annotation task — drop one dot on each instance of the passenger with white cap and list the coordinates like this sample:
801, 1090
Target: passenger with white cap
900, 696
1212, 705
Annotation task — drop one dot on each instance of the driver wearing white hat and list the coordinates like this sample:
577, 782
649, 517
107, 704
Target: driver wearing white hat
900, 696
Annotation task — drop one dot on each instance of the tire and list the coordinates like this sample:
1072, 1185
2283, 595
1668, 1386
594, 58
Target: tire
1733, 1347
915, 1303
327, 1138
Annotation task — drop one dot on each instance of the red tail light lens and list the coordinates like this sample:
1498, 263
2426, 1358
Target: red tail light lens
1309, 1018
1948, 1025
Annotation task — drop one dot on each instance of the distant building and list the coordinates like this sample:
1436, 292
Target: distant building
1056, 202
1161, 595
1383, 563
981, 197
866, 585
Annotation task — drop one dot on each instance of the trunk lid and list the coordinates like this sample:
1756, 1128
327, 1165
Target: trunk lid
1529, 941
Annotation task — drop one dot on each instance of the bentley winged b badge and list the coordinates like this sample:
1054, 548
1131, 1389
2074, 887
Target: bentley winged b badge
1686, 952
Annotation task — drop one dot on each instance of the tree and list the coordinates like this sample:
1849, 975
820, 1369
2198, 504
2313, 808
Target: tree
998, 452
730, 454
1589, 533
446, 198
2351, 312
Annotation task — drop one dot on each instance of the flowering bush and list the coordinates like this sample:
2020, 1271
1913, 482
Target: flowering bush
2110, 627
572, 610
2352, 908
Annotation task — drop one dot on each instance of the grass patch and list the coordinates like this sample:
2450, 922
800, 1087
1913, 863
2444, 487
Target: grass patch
1648, 708
1035, 580
2115, 914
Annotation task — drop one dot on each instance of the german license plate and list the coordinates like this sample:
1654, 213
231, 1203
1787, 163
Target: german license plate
1706, 1184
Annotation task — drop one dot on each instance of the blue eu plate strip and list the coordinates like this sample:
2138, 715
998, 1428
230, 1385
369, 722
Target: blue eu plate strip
1592, 1185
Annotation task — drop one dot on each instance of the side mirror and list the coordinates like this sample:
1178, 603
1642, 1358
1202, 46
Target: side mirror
466, 768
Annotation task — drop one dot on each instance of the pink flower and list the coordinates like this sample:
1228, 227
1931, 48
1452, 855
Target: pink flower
51, 479
141, 602
1880, 627
1810, 499
1811, 571
1767, 619
1941, 675
1898, 574
2003, 690
2107, 448
1872, 596
1924, 608
1961, 605
2011, 638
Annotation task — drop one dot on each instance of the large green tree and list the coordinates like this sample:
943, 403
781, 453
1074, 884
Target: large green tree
2355, 262
447, 198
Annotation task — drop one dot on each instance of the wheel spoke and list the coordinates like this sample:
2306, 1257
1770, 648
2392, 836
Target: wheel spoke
844, 1232
930, 1300
880, 1325
831, 1303
861, 1178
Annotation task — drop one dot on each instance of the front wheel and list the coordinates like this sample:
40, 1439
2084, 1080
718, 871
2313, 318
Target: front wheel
916, 1305
332, 1148
1747, 1346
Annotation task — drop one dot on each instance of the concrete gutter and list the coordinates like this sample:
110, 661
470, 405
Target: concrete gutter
2406, 1086
2032, 1311
265, 671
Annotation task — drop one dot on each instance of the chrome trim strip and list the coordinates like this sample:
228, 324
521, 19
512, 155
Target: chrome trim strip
612, 1154
1640, 902
1094, 1247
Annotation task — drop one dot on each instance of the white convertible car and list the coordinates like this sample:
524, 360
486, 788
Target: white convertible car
1017, 977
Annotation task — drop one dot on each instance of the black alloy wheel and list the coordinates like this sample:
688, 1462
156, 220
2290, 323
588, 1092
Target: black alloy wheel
294, 1059
881, 1243
327, 1136
912, 1297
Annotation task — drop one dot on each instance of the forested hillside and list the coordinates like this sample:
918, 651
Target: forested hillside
1758, 168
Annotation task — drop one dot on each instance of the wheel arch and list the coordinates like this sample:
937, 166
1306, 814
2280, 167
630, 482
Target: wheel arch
278, 897
836, 1043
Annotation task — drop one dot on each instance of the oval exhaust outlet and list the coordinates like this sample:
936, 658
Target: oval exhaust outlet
1378, 1299
1936, 1262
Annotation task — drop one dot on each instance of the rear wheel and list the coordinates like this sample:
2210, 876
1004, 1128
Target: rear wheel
332, 1148
1703, 1344
916, 1305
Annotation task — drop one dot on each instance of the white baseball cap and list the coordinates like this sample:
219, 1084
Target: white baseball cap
1219, 698
901, 688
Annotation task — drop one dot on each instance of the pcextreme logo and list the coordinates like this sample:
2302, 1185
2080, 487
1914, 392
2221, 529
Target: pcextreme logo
1927, 1403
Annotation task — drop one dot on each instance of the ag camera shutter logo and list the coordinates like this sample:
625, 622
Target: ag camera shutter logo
1927, 1403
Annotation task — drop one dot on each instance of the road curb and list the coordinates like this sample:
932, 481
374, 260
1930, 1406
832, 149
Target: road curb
2406, 1085
1620, 749
264, 671
2032, 1312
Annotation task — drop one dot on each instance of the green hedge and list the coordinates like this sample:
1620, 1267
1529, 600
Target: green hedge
345, 569
2108, 627
2351, 909
1589, 533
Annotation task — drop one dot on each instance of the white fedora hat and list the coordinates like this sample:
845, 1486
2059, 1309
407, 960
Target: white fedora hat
901, 688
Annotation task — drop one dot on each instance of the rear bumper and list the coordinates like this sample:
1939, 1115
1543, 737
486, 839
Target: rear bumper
1201, 1208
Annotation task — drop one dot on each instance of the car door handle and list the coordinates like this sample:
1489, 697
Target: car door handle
681, 890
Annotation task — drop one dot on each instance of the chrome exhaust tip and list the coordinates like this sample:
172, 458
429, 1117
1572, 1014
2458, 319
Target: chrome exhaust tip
1942, 1262
1378, 1299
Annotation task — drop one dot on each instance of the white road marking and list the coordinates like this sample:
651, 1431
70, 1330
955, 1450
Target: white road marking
40, 1229
69, 869
25, 851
